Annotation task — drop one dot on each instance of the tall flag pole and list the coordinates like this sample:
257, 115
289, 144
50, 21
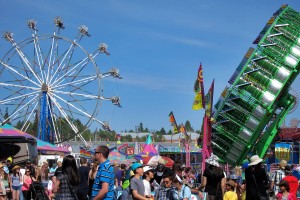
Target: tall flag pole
207, 127
209, 100
208, 112
173, 124
186, 144
199, 101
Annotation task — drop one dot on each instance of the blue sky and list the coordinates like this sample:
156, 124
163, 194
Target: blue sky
157, 45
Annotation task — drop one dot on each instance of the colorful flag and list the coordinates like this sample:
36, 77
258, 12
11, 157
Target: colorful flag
173, 122
149, 140
209, 100
199, 102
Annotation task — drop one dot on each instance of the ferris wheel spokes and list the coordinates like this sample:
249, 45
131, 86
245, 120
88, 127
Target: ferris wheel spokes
102, 48
74, 128
8, 37
16, 72
83, 30
5, 101
19, 86
28, 118
18, 110
62, 62
32, 25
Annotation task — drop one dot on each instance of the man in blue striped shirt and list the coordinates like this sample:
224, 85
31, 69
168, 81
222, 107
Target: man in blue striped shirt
103, 187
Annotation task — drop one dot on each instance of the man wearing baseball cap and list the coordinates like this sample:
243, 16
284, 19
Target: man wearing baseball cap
136, 183
148, 175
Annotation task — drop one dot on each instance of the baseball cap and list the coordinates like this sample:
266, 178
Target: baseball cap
9, 159
147, 168
134, 166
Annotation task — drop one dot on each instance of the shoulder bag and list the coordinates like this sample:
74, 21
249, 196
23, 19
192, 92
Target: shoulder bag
259, 195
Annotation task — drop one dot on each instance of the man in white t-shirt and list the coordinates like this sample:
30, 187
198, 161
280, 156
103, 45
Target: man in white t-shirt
148, 175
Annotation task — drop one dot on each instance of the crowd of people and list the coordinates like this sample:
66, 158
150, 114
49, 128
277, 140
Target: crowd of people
100, 179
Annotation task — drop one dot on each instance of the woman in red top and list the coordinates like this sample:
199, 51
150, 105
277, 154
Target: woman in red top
284, 193
292, 181
27, 180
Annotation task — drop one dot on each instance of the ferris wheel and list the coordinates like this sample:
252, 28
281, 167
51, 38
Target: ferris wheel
52, 82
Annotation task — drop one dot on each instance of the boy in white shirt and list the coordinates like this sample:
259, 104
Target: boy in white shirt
148, 175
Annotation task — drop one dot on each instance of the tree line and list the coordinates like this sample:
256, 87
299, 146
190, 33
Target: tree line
97, 135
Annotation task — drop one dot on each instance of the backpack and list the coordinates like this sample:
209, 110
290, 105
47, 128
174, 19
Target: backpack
126, 192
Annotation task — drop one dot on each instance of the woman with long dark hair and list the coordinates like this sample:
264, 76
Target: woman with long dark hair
66, 184
213, 179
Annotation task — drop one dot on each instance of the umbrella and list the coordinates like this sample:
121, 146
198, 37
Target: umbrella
153, 161
116, 157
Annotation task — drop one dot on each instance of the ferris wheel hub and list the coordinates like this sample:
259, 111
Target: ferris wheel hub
44, 87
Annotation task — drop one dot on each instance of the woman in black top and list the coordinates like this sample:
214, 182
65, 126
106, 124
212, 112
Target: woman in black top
213, 179
256, 179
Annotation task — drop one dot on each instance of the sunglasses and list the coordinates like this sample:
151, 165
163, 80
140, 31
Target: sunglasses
27, 171
166, 182
97, 152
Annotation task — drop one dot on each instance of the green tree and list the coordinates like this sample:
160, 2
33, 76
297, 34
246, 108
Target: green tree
19, 125
126, 138
137, 139
188, 126
163, 131
33, 127
143, 138
6, 117
158, 137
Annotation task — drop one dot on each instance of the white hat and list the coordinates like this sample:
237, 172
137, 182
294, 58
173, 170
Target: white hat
283, 164
254, 160
147, 168
179, 179
213, 160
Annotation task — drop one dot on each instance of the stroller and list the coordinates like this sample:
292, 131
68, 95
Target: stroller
38, 191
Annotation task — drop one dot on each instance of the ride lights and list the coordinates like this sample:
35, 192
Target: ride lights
259, 112
283, 73
275, 85
291, 60
252, 123
296, 51
268, 97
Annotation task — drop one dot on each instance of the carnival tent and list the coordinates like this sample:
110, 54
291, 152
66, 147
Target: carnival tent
45, 147
116, 157
48, 148
9, 130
